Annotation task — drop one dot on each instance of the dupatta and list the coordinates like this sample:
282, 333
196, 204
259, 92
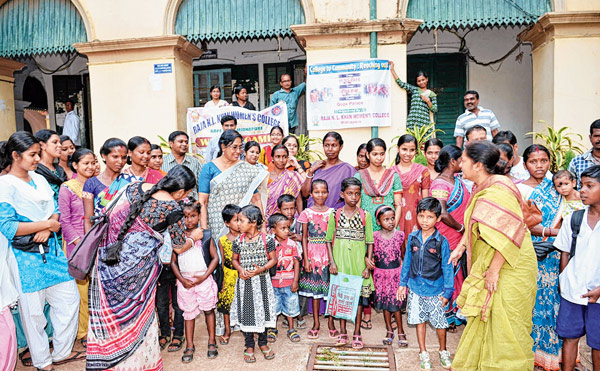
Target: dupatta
36, 204
108, 194
457, 197
385, 184
550, 203
288, 182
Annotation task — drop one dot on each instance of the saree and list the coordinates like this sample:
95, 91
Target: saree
333, 176
498, 332
457, 199
150, 175
104, 197
123, 331
288, 182
235, 185
546, 343
414, 182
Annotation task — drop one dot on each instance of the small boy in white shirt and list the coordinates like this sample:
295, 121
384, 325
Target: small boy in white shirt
579, 312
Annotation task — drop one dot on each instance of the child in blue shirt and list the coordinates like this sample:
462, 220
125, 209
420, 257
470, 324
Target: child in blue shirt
426, 271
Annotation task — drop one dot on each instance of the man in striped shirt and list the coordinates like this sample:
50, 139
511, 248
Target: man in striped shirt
475, 115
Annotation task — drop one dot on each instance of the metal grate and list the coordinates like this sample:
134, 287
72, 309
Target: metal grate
370, 358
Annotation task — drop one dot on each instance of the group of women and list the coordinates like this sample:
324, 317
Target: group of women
41, 202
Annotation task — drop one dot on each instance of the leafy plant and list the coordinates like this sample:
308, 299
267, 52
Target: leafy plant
305, 153
561, 145
422, 134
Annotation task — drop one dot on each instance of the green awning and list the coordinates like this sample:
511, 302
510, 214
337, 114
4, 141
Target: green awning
29, 27
476, 13
237, 19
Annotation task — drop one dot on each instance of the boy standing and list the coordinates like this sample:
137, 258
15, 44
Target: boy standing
579, 312
285, 280
429, 275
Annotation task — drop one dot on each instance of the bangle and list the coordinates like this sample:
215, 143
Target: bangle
543, 230
462, 228
309, 176
191, 239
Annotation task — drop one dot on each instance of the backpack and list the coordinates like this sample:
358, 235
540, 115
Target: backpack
576, 221
218, 274
338, 213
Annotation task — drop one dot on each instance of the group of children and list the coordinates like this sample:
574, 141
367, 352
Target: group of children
263, 274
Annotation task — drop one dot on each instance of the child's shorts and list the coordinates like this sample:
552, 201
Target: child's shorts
576, 320
200, 298
286, 301
426, 308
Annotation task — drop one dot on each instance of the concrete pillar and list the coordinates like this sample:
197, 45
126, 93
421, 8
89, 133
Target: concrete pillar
348, 41
140, 86
566, 78
7, 97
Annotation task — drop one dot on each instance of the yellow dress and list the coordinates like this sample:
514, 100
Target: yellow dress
229, 280
498, 332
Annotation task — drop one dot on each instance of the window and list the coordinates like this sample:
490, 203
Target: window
204, 79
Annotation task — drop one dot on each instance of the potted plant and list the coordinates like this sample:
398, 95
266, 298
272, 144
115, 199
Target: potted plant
561, 145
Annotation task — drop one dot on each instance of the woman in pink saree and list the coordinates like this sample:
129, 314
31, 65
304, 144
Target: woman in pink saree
282, 181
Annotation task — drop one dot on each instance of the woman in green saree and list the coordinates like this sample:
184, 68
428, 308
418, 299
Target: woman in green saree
498, 295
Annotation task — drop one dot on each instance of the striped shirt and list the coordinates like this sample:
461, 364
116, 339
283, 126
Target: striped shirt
191, 162
581, 163
485, 118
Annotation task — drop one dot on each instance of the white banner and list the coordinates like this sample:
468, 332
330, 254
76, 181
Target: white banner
205, 123
349, 95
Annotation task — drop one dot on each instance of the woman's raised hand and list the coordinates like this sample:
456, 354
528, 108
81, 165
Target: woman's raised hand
316, 166
456, 254
292, 161
197, 234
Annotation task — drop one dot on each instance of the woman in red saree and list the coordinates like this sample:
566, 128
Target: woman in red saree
415, 183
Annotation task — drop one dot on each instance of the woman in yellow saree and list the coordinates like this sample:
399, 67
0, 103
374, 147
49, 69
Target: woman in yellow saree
499, 293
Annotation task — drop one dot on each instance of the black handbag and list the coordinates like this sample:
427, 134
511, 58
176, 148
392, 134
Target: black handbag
542, 249
27, 244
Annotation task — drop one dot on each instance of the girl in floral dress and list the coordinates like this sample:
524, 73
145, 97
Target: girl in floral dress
314, 282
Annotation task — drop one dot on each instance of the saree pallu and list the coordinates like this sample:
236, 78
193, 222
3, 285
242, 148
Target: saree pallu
497, 336
104, 197
546, 343
123, 331
334, 177
235, 185
288, 182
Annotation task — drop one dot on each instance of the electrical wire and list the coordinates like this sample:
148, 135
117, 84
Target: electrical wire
62, 67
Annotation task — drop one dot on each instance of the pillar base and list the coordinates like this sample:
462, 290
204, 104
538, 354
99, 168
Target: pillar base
123, 70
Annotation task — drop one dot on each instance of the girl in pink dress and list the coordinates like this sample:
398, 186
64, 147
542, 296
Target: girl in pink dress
454, 197
386, 275
415, 183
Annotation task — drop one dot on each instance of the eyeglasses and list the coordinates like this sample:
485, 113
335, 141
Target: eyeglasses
235, 147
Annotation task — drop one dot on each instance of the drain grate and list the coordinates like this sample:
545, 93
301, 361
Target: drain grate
370, 358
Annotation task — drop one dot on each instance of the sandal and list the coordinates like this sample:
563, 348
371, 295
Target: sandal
41, 369
224, 340
293, 335
25, 357
452, 329
342, 340
212, 353
389, 338
333, 334
367, 325
188, 355
162, 344
83, 342
301, 324
402, 341
176, 347
249, 357
272, 335
313, 334
357, 342
78, 356
268, 354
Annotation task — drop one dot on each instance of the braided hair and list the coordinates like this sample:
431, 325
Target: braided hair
178, 178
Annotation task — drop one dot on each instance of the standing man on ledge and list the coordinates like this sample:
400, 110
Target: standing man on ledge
290, 96
475, 115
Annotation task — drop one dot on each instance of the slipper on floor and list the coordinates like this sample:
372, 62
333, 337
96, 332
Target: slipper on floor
333, 334
176, 347
313, 334
367, 324
78, 356
25, 357
224, 340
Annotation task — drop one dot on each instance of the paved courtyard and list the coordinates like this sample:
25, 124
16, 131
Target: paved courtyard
294, 356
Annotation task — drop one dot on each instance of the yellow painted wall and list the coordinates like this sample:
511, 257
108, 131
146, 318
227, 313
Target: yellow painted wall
127, 102
577, 83
578, 5
7, 109
543, 86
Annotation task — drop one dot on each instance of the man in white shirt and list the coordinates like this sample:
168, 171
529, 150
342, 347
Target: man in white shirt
71, 127
475, 115
579, 312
